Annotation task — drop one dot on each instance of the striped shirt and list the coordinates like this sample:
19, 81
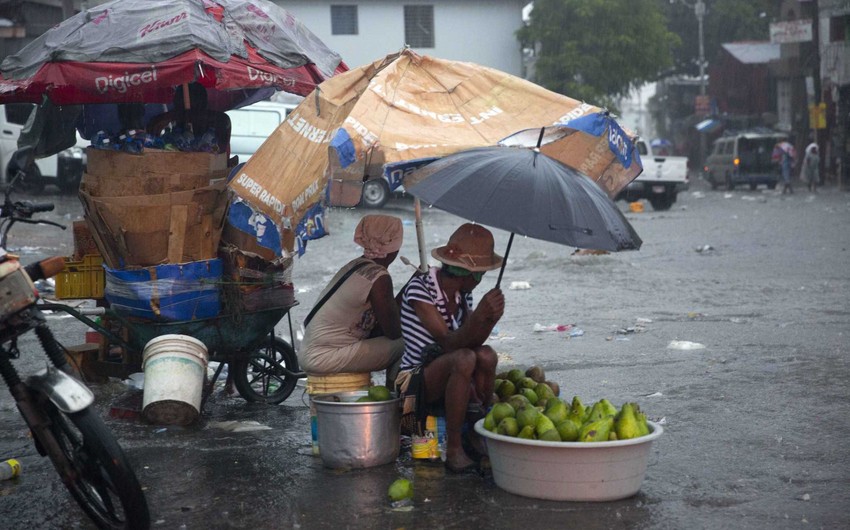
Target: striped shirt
425, 288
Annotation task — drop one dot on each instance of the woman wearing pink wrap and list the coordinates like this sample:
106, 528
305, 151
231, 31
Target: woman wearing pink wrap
355, 325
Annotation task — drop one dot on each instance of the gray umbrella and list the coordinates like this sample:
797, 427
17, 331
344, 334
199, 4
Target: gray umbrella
524, 192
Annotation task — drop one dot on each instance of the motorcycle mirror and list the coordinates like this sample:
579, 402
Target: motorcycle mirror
21, 159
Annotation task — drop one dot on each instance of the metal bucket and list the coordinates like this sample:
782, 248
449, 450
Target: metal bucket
328, 384
355, 435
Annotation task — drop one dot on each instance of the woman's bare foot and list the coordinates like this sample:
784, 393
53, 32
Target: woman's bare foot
459, 462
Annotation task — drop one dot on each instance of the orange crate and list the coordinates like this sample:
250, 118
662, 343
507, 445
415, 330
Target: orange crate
81, 279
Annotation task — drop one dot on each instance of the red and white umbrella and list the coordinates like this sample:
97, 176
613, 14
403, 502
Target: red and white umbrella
783, 147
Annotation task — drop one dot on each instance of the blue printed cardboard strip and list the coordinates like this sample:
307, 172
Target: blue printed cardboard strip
242, 217
344, 148
311, 226
394, 173
597, 124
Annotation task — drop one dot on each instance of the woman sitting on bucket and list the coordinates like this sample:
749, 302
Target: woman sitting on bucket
445, 361
355, 326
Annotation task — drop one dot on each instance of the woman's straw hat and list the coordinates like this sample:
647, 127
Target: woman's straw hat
470, 247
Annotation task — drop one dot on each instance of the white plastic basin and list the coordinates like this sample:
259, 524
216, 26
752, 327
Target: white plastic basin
569, 471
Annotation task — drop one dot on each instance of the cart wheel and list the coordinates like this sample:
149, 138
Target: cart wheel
261, 376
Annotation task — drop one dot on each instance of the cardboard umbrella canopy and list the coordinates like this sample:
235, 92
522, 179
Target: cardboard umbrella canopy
385, 119
594, 144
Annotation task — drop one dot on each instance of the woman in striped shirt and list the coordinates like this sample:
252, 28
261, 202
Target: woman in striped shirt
445, 360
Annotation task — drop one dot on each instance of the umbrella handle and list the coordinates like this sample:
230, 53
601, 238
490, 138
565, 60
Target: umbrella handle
505, 261
420, 236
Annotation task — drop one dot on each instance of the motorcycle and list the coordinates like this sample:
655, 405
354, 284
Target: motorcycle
55, 405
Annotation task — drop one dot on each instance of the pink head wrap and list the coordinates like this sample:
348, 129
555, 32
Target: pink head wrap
379, 235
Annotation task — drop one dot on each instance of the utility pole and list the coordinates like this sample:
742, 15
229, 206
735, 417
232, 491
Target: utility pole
699, 11
816, 81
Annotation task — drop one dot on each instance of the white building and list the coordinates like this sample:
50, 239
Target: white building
363, 31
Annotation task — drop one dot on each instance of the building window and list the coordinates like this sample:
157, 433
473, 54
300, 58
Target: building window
839, 28
419, 26
344, 20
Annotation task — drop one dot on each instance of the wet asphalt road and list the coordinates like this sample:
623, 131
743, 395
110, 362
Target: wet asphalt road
756, 431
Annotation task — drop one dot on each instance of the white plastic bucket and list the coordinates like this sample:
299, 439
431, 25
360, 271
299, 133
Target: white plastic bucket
569, 471
175, 371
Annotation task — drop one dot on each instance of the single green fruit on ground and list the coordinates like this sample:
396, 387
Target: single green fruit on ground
400, 489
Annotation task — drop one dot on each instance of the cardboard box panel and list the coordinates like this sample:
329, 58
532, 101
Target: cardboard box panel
109, 162
137, 230
147, 184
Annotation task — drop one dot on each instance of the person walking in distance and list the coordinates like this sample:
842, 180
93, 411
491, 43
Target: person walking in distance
811, 168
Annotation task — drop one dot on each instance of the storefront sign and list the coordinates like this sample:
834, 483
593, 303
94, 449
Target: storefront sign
791, 31
817, 116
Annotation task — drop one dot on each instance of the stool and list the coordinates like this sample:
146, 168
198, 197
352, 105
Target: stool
328, 384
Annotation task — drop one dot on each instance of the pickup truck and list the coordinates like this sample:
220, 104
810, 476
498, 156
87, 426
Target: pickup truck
662, 179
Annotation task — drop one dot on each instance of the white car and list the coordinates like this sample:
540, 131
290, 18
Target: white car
251, 125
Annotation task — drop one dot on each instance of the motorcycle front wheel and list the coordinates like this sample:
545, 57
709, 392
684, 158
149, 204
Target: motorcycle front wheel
101, 480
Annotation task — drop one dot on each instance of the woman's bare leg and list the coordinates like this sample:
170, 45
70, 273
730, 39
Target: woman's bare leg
449, 376
486, 360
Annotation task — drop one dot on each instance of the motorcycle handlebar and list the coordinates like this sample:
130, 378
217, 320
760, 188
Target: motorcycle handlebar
35, 207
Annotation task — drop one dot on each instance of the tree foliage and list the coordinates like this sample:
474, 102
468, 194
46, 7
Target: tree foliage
724, 21
597, 50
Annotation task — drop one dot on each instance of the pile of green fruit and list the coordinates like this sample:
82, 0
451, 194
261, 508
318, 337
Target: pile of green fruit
376, 393
535, 412
532, 384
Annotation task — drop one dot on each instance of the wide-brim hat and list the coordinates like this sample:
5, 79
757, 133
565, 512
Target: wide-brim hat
470, 247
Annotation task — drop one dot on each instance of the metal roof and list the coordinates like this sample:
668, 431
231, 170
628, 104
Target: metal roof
753, 52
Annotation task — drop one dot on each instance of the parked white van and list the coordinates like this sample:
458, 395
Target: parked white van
64, 170
251, 125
